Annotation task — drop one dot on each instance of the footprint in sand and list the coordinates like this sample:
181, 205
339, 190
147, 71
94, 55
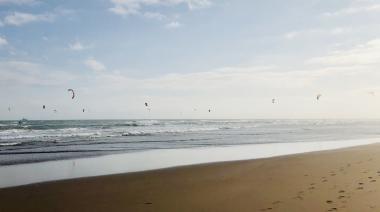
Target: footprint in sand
360, 183
372, 181
329, 201
333, 209
341, 197
360, 188
148, 203
342, 191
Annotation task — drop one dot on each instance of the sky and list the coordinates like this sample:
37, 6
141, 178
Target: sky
184, 57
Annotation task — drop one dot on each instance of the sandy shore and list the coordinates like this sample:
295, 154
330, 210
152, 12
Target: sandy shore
337, 180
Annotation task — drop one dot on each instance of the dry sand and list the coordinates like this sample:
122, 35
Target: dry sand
338, 180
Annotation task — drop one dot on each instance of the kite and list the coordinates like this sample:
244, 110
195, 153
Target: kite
72, 93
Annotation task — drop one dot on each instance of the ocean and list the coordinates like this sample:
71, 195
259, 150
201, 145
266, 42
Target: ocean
37, 141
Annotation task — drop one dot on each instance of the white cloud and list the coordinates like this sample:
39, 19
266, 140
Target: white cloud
248, 91
17, 2
154, 15
3, 41
130, 9
196, 4
317, 32
173, 25
233, 81
354, 10
364, 54
95, 65
14, 73
19, 18
343, 77
77, 46
133, 7
291, 35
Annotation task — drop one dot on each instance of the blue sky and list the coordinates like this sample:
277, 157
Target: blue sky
182, 55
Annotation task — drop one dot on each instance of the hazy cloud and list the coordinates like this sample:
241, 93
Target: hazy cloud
155, 15
173, 25
363, 54
17, 73
3, 41
317, 32
19, 18
77, 46
354, 10
17, 2
95, 65
132, 7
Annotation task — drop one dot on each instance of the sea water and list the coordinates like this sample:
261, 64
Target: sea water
36, 141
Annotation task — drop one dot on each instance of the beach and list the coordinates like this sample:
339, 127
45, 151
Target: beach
334, 180
189, 106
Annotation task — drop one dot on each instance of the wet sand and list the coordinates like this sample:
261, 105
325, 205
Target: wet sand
336, 180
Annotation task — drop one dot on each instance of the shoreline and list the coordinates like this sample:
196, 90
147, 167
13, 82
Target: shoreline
24, 174
343, 179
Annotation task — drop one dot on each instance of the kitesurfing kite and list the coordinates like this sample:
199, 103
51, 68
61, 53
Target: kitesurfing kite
147, 106
72, 93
